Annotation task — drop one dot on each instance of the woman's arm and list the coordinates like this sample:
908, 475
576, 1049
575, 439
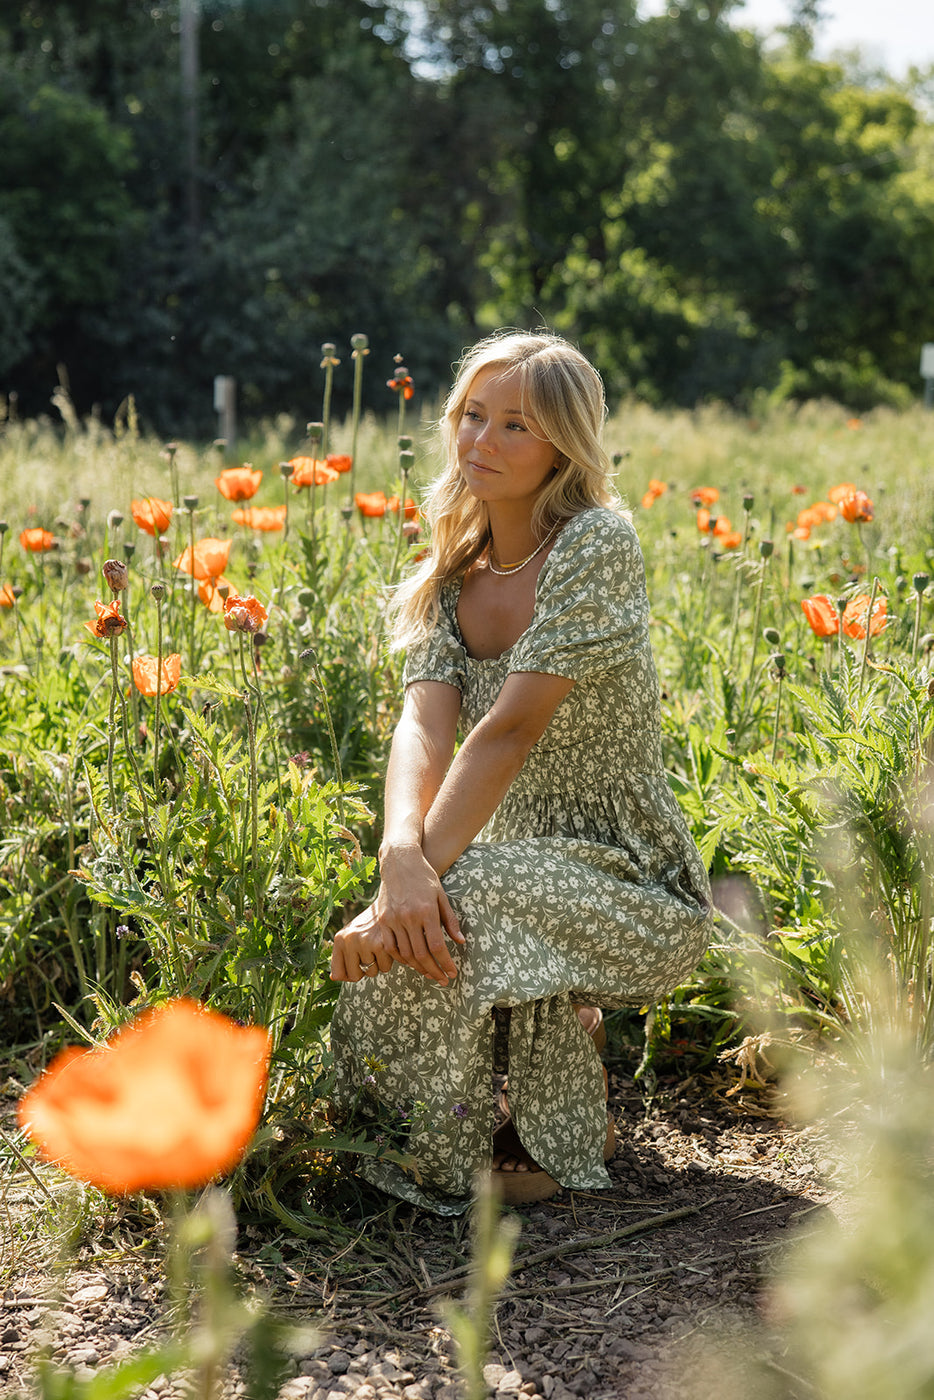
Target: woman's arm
488, 761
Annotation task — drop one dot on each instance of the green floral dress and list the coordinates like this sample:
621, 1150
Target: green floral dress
584, 884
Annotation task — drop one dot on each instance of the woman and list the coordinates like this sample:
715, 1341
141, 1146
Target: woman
543, 863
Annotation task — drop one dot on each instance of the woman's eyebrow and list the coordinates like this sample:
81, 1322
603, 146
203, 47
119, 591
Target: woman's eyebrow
511, 412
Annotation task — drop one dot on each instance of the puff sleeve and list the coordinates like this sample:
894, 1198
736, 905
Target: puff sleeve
591, 612
440, 656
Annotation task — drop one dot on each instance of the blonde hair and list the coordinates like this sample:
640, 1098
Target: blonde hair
560, 389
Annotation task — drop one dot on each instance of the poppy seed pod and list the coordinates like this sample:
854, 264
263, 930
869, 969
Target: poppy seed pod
360, 343
315, 431
116, 574
404, 443
920, 582
157, 591
406, 462
115, 519
766, 548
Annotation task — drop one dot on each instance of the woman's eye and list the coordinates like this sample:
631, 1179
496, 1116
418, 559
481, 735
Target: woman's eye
472, 415
519, 427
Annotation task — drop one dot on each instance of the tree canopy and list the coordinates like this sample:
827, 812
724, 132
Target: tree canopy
188, 189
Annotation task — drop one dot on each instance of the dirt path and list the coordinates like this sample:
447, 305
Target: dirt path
612, 1294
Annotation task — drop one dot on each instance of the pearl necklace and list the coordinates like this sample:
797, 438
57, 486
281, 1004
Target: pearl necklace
514, 568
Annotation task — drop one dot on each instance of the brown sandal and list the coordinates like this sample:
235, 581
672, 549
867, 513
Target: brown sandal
532, 1183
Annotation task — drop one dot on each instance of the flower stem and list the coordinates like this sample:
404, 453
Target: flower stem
310, 656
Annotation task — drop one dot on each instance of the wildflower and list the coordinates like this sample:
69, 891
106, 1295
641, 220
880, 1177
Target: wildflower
821, 613
152, 515
857, 509
339, 461
146, 676
214, 592
7, 596
411, 509
837, 493
116, 574
37, 541
208, 560
704, 496
238, 483
654, 489
460, 1110
169, 1102
716, 525
854, 424
729, 539
856, 615
311, 471
261, 517
799, 490
372, 503
109, 622
401, 382
373, 1063
243, 614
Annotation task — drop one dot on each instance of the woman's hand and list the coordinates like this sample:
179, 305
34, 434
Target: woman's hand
362, 948
414, 908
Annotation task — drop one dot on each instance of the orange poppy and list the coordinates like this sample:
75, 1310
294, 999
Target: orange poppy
799, 490
854, 424
209, 591
152, 515
37, 541
339, 462
208, 561
146, 674
857, 509
411, 509
730, 539
402, 382
799, 532
311, 471
837, 493
809, 518
654, 489
821, 613
7, 596
825, 510
244, 614
261, 517
704, 496
169, 1102
109, 622
238, 483
856, 613
721, 524
372, 503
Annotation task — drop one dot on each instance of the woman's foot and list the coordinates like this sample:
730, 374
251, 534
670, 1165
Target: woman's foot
517, 1177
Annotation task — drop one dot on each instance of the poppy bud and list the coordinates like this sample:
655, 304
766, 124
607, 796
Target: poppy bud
115, 520
157, 591
404, 443
772, 636
347, 512
116, 574
920, 582
315, 431
901, 583
406, 462
286, 469
360, 343
748, 500
190, 502
766, 548
4, 526
777, 660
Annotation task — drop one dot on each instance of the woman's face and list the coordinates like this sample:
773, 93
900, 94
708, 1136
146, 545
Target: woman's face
502, 453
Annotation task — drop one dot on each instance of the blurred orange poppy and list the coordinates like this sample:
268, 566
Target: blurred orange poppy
146, 677
109, 622
209, 559
244, 614
857, 509
411, 509
837, 493
261, 517
213, 591
37, 541
311, 471
238, 483
856, 614
821, 613
7, 596
721, 523
730, 539
169, 1102
402, 383
654, 489
152, 515
704, 496
854, 424
339, 462
372, 503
